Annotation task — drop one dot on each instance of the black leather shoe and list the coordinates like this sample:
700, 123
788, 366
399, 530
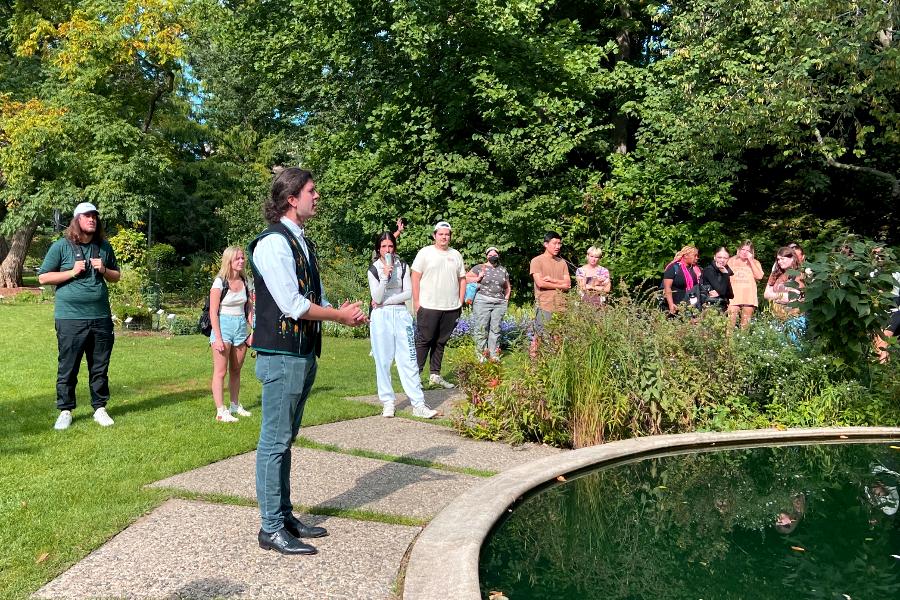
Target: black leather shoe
285, 543
298, 529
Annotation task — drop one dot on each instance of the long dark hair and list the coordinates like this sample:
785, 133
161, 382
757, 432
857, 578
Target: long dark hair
387, 235
287, 183
784, 251
74, 231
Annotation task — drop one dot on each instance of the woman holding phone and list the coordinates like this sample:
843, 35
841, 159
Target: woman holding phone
391, 330
746, 273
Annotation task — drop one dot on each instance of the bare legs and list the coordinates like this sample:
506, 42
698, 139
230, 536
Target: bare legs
746, 313
230, 361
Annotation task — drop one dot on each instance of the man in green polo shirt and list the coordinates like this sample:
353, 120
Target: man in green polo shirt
79, 265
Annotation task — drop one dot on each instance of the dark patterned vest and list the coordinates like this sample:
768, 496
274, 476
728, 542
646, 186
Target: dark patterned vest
274, 332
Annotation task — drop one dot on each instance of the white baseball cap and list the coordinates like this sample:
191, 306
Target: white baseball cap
85, 207
442, 225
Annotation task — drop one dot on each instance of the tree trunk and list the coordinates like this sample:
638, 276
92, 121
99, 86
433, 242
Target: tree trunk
11, 268
4, 248
620, 120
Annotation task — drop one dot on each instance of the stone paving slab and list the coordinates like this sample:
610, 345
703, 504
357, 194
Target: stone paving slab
440, 400
424, 441
197, 550
331, 479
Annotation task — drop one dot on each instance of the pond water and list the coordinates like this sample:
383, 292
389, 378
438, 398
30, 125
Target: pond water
817, 521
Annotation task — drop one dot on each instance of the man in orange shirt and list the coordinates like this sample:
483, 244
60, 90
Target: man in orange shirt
551, 280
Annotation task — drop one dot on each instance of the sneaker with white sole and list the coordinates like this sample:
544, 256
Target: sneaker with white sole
103, 419
63, 420
424, 412
223, 416
387, 411
237, 409
436, 379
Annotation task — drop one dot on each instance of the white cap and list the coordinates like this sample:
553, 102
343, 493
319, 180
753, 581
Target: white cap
85, 207
442, 225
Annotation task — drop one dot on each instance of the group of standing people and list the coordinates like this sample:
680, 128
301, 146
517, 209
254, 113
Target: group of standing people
731, 282
290, 305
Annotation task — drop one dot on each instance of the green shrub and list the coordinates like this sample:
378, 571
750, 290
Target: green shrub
629, 371
128, 290
849, 291
331, 329
130, 247
141, 316
184, 323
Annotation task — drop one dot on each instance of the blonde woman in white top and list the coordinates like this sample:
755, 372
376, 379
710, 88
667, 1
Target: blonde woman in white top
230, 314
391, 329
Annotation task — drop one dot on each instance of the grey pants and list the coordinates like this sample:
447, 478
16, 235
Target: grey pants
488, 312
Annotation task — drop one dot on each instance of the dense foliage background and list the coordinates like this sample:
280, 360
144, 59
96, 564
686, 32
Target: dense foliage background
637, 125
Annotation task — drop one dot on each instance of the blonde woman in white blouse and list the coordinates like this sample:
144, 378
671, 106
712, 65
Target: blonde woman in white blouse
230, 314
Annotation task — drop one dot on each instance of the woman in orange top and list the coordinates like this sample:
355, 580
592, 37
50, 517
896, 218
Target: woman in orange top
747, 271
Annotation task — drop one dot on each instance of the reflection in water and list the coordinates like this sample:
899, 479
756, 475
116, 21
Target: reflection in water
813, 521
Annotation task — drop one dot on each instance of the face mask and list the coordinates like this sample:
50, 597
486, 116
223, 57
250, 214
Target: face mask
494, 260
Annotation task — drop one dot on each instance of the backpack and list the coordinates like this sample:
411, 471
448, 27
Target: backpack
204, 323
79, 253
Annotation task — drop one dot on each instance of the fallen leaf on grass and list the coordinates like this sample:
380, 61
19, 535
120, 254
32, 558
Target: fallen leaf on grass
798, 548
497, 596
560, 478
42, 558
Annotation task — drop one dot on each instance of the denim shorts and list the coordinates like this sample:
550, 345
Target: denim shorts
234, 330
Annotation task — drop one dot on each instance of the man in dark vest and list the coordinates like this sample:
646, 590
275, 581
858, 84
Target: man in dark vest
290, 306
80, 264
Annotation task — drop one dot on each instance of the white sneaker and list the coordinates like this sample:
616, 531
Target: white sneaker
223, 416
424, 412
102, 417
387, 411
240, 410
63, 420
438, 380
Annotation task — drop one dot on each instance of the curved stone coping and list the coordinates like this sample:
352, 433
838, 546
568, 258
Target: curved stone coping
444, 559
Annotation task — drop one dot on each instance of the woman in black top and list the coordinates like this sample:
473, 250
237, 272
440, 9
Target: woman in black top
717, 276
680, 279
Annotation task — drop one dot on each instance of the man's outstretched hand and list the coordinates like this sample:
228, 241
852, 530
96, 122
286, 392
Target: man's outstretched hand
351, 314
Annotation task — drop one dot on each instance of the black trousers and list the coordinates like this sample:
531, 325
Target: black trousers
433, 330
76, 338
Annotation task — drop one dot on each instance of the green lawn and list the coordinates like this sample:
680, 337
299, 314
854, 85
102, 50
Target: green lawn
63, 494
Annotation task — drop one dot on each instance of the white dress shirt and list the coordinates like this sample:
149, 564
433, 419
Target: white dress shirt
274, 260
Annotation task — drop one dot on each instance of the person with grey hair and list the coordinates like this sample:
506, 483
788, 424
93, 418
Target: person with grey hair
80, 264
290, 306
490, 303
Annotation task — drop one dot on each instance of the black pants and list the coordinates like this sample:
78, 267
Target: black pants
433, 330
77, 338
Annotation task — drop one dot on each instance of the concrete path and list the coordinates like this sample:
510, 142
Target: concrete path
424, 441
332, 480
200, 549
187, 549
440, 400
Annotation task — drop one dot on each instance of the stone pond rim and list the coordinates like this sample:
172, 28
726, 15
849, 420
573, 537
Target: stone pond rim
444, 560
